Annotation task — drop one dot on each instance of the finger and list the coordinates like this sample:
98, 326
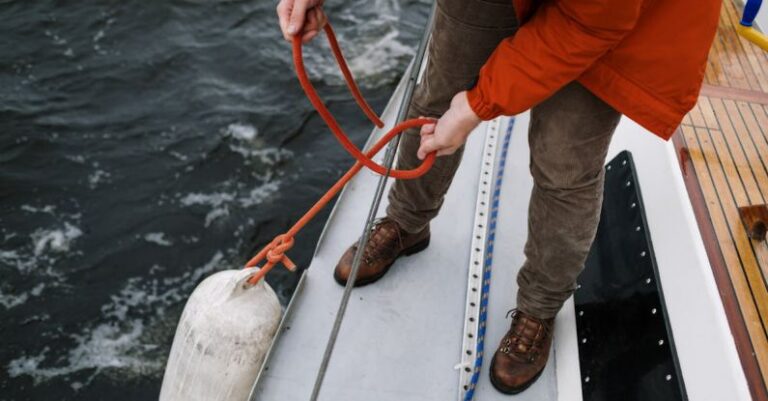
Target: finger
298, 14
283, 15
427, 129
322, 18
309, 36
428, 145
310, 24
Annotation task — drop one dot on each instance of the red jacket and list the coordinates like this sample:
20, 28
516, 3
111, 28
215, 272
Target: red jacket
646, 58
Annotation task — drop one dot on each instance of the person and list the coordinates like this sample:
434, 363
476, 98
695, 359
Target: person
578, 65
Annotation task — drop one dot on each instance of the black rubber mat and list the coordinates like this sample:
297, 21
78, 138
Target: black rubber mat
626, 350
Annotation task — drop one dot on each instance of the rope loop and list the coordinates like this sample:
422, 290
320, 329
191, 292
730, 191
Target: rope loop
274, 252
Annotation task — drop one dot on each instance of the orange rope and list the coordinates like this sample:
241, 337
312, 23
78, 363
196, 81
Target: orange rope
274, 252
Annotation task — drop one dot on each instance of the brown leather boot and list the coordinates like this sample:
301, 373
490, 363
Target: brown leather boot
522, 354
386, 243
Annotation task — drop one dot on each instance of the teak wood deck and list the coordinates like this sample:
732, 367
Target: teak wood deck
723, 147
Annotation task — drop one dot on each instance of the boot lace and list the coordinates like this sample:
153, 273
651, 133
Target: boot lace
521, 342
384, 239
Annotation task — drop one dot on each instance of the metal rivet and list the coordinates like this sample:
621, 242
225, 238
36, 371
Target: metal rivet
637, 228
661, 342
581, 313
642, 254
653, 311
633, 205
669, 377
648, 281
609, 167
586, 379
583, 340
578, 286
628, 183
623, 162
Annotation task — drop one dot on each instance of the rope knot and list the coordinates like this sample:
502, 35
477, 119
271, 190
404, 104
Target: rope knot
274, 253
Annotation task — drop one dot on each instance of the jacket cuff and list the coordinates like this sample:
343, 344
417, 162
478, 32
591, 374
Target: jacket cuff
480, 106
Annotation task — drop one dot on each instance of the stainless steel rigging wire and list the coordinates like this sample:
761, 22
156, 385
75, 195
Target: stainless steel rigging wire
389, 158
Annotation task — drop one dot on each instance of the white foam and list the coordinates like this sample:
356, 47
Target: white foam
98, 36
221, 203
260, 194
50, 209
178, 155
243, 132
268, 156
106, 346
77, 159
13, 258
215, 214
380, 59
158, 238
214, 199
13, 300
58, 240
97, 177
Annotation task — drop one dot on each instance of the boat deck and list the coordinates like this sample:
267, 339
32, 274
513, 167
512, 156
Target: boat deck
724, 146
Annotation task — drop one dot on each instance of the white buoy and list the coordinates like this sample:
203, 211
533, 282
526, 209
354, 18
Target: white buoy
221, 340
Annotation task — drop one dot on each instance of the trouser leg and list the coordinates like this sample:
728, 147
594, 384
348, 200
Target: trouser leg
465, 34
568, 136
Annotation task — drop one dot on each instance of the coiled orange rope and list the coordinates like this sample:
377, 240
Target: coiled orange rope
274, 252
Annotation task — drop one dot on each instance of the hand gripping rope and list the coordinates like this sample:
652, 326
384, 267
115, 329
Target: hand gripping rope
274, 252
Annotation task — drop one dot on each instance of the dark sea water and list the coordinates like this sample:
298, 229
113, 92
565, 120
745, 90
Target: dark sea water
145, 145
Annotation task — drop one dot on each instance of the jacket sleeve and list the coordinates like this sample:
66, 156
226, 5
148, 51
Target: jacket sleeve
561, 40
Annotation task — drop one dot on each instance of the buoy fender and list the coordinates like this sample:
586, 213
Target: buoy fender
222, 337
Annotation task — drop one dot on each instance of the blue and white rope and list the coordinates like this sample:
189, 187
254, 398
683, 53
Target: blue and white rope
487, 262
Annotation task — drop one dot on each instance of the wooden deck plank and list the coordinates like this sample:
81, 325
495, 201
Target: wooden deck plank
711, 177
697, 118
751, 147
709, 114
737, 158
735, 168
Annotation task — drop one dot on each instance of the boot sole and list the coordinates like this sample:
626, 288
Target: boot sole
511, 390
415, 248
